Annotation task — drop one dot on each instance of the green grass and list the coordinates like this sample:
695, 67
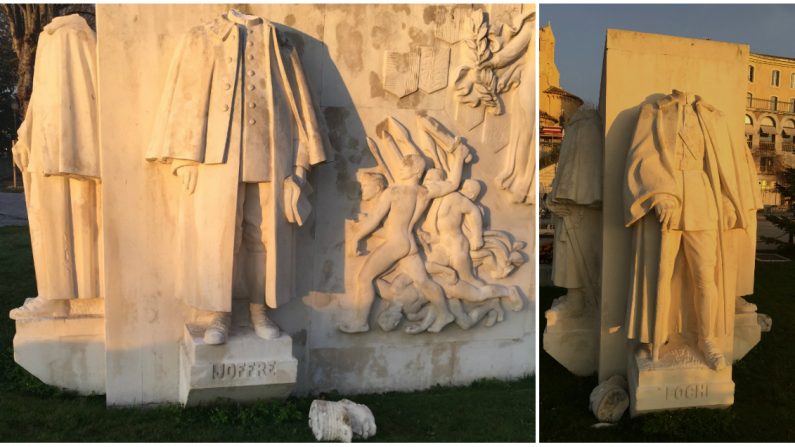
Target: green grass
764, 408
487, 410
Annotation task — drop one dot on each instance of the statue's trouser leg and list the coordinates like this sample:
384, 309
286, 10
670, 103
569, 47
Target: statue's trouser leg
251, 230
701, 249
86, 229
51, 235
668, 254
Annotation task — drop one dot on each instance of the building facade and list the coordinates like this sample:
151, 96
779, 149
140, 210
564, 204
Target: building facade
556, 105
770, 119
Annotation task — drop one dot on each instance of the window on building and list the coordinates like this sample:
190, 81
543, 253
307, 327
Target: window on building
774, 103
776, 78
792, 80
750, 99
750, 73
748, 120
791, 107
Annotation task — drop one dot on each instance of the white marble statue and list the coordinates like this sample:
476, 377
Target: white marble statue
690, 191
237, 123
429, 264
575, 199
58, 154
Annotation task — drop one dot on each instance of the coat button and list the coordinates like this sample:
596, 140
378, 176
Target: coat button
251, 57
227, 86
251, 72
230, 60
251, 105
251, 86
226, 107
252, 122
250, 43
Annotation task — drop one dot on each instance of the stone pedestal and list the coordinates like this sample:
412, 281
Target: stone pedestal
245, 368
574, 341
747, 333
680, 379
67, 352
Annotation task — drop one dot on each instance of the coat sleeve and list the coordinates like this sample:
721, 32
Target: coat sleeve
649, 173
180, 127
311, 142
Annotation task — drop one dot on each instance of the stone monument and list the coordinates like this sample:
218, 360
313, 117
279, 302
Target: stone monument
575, 199
283, 186
680, 199
60, 332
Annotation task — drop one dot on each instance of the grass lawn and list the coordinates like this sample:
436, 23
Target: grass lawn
764, 408
32, 411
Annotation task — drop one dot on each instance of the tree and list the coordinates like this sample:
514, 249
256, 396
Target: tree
24, 24
785, 186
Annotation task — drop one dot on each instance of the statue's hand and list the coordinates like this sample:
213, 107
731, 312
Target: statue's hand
665, 208
21, 157
189, 175
296, 207
729, 215
354, 250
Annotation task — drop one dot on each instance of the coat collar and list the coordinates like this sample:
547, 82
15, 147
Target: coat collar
62, 21
678, 98
222, 26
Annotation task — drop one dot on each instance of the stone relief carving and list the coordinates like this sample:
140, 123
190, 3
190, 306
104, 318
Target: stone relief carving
689, 196
58, 154
434, 68
436, 249
237, 124
401, 73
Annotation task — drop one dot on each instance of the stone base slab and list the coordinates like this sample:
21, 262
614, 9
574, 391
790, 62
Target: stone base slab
574, 341
680, 379
64, 352
245, 368
747, 334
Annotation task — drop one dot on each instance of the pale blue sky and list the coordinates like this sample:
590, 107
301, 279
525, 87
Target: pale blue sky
580, 32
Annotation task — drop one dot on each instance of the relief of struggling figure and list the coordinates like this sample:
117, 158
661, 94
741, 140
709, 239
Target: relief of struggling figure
427, 266
58, 154
690, 196
238, 126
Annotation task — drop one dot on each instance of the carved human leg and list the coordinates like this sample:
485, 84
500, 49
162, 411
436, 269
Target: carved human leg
438, 315
378, 262
700, 248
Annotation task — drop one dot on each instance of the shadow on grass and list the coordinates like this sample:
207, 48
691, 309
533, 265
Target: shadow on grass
487, 410
764, 408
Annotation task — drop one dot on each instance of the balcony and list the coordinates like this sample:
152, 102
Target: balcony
766, 147
770, 106
788, 147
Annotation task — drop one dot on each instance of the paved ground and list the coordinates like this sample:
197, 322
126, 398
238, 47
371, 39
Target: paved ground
12, 209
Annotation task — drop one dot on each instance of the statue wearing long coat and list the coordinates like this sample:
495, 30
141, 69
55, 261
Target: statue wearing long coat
214, 77
656, 310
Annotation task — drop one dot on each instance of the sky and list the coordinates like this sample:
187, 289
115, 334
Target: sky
580, 32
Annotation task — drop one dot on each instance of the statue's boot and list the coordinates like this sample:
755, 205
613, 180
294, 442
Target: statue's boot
40, 307
712, 355
263, 326
216, 333
741, 306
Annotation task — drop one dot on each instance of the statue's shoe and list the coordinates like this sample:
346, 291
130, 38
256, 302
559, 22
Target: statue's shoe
216, 333
712, 355
741, 306
40, 307
263, 326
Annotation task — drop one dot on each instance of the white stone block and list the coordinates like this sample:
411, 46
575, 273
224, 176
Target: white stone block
64, 352
245, 368
680, 379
